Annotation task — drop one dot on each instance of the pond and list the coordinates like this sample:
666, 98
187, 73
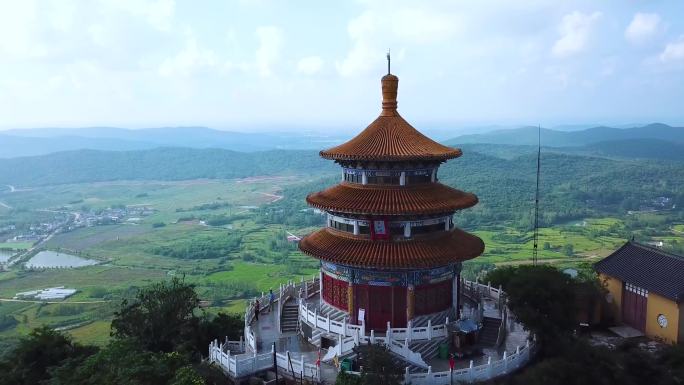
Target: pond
55, 259
5, 255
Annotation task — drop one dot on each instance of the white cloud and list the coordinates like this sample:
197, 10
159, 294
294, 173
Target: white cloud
674, 51
310, 65
643, 27
158, 13
574, 30
190, 59
268, 52
374, 31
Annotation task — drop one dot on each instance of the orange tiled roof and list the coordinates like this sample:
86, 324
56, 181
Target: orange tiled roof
335, 247
390, 137
429, 198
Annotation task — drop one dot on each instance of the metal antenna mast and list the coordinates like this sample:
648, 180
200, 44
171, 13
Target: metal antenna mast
536, 200
388, 61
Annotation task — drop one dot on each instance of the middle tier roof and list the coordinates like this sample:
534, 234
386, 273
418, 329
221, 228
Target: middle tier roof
429, 198
427, 252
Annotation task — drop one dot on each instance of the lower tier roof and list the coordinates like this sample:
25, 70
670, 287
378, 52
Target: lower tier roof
429, 198
333, 246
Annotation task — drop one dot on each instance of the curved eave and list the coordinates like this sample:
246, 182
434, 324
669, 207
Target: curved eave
430, 198
453, 246
391, 138
391, 157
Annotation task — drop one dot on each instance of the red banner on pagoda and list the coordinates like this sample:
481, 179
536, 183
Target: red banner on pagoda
379, 229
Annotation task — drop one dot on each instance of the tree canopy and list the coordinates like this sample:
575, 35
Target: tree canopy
158, 339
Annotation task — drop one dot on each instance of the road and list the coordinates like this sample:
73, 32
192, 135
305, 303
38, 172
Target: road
11, 189
37, 301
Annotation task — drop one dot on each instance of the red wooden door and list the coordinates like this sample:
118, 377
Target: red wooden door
379, 307
399, 307
634, 303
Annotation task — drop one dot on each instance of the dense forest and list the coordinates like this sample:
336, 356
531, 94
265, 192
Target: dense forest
573, 186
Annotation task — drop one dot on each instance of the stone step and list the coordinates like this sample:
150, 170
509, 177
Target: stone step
427, 349
490, 331
436, 319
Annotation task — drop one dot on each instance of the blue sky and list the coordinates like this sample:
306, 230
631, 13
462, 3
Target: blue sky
282, 65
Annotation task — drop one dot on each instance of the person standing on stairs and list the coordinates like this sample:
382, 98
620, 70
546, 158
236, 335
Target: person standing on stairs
271, 297
256, 310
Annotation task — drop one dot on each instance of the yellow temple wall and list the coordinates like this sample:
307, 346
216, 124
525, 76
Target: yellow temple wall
614, 287
657, 305
681, 323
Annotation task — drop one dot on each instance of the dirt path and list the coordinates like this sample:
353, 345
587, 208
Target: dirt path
547, 261
37, 301
275, 197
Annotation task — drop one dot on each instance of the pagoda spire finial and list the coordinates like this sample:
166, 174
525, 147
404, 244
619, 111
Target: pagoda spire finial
390, 84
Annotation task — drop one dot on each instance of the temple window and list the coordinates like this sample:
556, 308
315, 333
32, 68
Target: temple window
398, 228
389, 177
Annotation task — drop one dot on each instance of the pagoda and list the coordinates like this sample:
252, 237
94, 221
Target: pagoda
390, 252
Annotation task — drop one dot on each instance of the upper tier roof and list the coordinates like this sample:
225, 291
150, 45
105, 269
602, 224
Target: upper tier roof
439, 250
428, 198
390, 137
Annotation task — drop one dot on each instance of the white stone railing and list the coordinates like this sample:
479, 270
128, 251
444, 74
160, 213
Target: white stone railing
251, 338
401, 348
476, 291
488, 371
290, 289
238, 366
345, 329
492, 369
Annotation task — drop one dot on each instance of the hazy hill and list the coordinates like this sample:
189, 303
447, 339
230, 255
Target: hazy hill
632, 149
47, 140
156, 164
528, 135
15, 146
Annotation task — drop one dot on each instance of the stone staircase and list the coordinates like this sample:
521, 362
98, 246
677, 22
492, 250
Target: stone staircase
490, 331
289, 318
427, 349
335, 315
436, 319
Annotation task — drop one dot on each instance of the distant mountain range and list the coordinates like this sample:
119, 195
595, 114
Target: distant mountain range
552, 138
41, 141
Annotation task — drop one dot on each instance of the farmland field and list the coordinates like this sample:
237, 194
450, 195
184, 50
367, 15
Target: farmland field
229, 239
238, 259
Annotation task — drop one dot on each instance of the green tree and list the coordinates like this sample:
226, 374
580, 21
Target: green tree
379, 367
542, 298
569, 249
126, 362
30, 361
161, 318
219, 326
